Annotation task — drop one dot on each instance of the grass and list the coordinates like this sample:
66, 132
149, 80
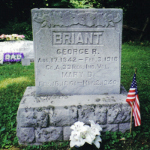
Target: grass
14, 78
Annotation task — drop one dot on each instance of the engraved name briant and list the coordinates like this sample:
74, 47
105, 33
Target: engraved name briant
78, 38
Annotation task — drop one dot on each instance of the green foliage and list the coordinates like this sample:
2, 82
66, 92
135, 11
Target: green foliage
15, 27
47, 146
21, 9
110, 139
135, 14
136, 43
120, 141
59, 4
81, 3
96, 4
18, 18
10, 95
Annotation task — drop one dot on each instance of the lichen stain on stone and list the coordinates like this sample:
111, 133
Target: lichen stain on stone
97, 100
66, 107
103, 99
79, 107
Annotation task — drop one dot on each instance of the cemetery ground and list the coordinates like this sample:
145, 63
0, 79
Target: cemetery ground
14, 78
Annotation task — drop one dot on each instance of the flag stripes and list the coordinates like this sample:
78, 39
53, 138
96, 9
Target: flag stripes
132, 97
136, 110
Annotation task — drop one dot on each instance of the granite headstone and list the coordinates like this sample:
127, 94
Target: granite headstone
77, 75
77, 51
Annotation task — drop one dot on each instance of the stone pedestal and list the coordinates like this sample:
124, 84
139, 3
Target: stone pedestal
48, 118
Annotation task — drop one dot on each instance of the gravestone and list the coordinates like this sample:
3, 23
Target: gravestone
25, 62
77, 75
77, 52
25, 47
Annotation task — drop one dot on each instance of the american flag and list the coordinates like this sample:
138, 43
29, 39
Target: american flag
133, 98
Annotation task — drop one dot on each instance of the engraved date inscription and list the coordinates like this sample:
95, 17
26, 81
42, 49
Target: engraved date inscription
80, 83
75, 59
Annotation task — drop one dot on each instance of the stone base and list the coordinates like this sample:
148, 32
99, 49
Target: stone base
48, 118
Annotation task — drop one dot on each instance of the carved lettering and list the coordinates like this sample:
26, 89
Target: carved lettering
89, 37
72, 74
48, 67
98, 38
81, 82
90, 66
57, 38
100, 66
99, 82
72, 51
75, 59
90, 74
75, 67
66, 38
94, 51
77, 38
89, 59
111, 58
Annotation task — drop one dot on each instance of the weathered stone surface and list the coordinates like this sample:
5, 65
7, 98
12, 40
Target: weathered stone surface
124, 127
86, 113
79, 54
123, 90
112, 114
30, 118
30, 91
26, 117
66, 133
25, 62
65, 110
29, 99
42, 119
49, 134
63, 116
118, 114
101, 114
60, 112
124, 116
25, 135
110, 127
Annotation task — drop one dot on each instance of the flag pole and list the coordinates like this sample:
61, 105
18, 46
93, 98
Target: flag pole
131, 118
132, 110
135, 70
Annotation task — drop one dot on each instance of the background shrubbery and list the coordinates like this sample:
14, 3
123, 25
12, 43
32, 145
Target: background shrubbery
16, 14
